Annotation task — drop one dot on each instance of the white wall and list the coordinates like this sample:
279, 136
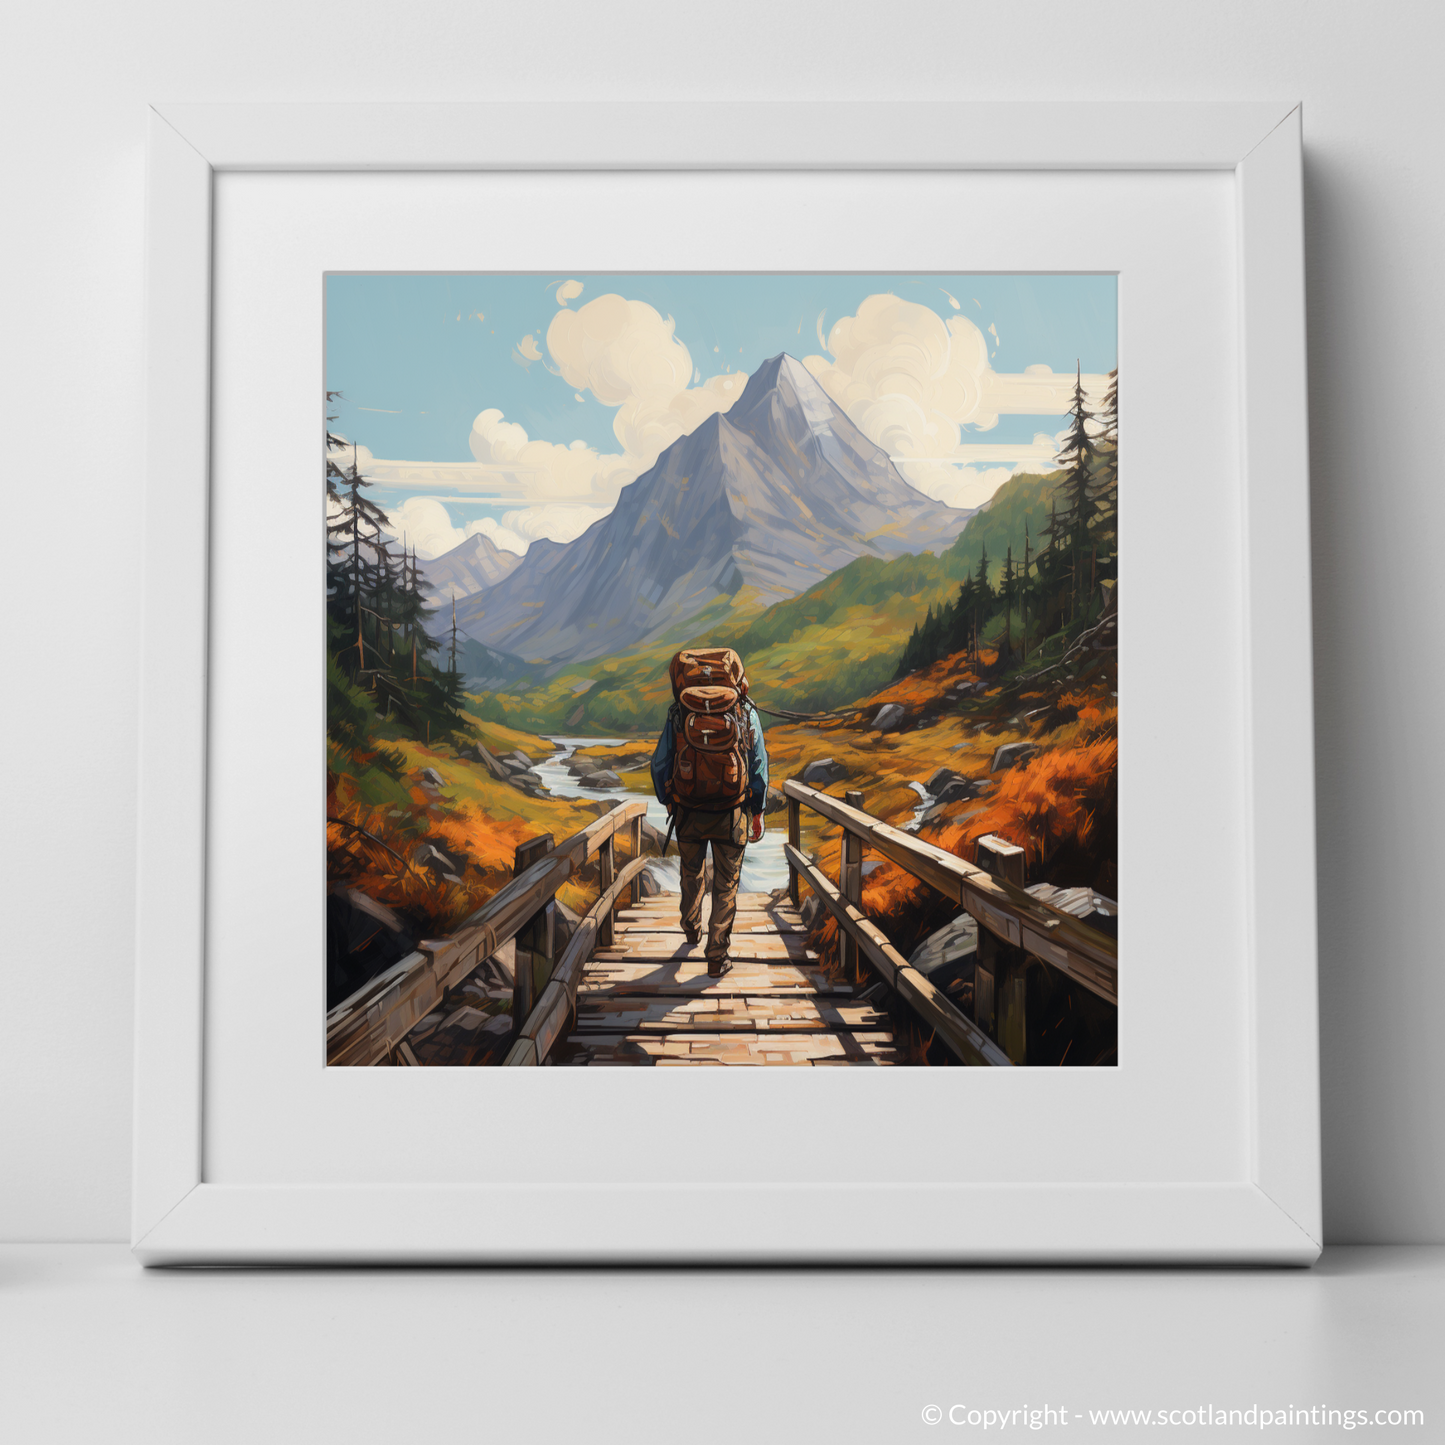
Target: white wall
78, 80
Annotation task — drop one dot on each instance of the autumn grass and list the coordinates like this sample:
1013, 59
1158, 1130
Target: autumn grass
1059, 806
381, 827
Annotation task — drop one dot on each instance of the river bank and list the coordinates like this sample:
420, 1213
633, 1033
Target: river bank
764, 867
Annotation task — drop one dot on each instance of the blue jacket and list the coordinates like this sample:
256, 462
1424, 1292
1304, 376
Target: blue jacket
666, 750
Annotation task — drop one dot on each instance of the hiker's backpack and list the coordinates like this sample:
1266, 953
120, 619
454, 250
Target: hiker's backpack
710, 728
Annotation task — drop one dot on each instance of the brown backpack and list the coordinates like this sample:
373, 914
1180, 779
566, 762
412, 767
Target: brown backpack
711, 732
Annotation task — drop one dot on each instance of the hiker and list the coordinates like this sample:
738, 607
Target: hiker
710, 770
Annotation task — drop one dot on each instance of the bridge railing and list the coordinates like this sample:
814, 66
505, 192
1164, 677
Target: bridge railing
368, 1027
1012, 926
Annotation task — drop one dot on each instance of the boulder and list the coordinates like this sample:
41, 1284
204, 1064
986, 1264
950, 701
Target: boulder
941, 779
428, 1026
946, 957
463, 1028
652, 837
1010, 754
650, 886
776, 801
603, 780
476, 753
809, 911
822, 771
435, 861
432, 778
522, 758
956, 791
888, 717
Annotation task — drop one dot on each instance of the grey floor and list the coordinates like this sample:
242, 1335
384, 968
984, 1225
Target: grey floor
93, 1348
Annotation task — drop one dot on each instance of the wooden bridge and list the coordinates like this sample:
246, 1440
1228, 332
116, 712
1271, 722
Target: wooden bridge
627, 989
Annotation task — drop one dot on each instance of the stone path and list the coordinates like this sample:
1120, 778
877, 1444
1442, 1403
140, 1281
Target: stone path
648, 998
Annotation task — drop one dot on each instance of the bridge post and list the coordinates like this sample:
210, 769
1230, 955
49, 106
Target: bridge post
1005, 985
635, 829
1012, 994
607, 871
850, 882
534, 939
795, 837
985, 971
1003, 859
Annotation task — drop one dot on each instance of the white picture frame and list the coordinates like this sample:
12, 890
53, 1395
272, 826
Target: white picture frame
1271, 1213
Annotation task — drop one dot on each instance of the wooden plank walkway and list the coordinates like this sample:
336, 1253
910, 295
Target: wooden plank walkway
647, 999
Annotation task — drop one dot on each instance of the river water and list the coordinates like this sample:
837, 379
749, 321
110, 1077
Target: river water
764, 867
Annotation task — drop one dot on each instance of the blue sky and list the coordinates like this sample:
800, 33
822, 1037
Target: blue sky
418, 358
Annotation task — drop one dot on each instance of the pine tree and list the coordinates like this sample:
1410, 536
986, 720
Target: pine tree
1078, 459
982, 596
961, 632
1106, 487
374, 594
1024, 593
1006, 592
355, 535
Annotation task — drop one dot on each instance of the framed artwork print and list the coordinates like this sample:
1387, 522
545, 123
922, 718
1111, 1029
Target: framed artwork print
688, 785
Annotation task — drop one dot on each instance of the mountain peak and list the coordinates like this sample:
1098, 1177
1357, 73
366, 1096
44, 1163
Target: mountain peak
779, 491
782, 373
474, 563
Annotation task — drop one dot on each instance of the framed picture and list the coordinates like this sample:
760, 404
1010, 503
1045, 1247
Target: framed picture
711, 618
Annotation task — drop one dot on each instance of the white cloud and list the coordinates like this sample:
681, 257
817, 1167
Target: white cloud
528, 347
561, 522
955, 486
568, 291
912, 382
423, 523
543, 471
627, 355
502, 536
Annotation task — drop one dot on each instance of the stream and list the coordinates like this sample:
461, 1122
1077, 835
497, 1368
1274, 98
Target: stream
764, 867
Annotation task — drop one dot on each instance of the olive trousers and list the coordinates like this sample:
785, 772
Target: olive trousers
727, 835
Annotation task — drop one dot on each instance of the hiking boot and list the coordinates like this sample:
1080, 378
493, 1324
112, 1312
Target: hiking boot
716, 967
692, 935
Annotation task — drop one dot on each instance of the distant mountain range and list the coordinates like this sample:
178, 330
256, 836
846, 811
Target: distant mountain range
470, 568
754, 506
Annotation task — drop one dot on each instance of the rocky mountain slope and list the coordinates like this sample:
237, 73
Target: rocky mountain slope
753, 507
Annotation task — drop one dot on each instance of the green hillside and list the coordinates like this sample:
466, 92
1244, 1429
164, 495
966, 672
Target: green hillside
839, 640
